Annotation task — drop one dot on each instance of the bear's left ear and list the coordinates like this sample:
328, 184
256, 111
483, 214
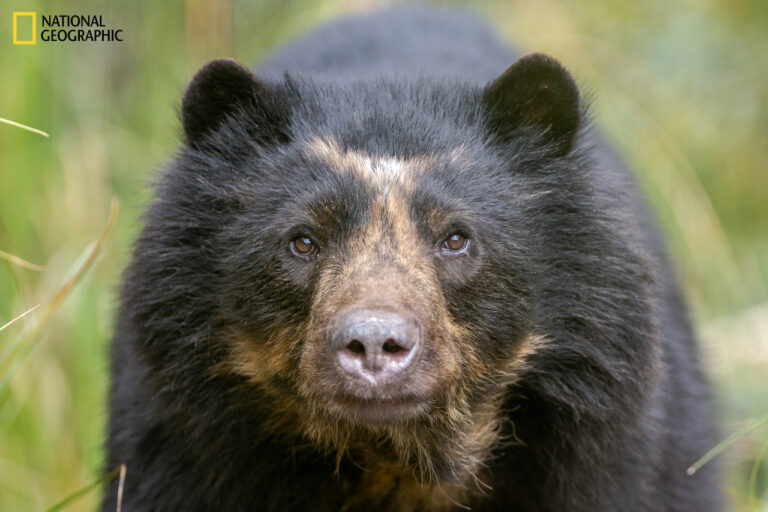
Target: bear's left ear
217, 90
535, 92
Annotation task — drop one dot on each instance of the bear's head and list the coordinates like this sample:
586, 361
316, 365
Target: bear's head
367, 265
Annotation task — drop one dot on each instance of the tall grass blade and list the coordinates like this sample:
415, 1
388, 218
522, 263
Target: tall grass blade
12, 320
725, 443
752, 492
24, 127
119, 471
21, 262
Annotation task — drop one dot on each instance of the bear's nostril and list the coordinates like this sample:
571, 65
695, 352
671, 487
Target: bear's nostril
356, 347
391, 347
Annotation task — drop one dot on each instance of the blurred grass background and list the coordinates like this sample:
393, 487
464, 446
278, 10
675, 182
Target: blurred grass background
680, 87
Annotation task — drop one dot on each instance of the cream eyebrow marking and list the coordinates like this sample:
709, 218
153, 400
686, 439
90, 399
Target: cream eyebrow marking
379, 171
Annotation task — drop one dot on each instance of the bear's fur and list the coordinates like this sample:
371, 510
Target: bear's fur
389, 161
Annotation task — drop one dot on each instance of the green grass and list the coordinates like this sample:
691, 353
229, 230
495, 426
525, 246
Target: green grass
678, 87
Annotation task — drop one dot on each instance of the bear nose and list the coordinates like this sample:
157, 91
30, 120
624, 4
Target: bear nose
375, 344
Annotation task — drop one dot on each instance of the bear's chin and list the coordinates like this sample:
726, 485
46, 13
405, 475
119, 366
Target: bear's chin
378, 412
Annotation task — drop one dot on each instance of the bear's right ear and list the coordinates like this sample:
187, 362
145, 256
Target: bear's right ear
219, 89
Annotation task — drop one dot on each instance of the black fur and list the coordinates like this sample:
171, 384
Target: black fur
608, 415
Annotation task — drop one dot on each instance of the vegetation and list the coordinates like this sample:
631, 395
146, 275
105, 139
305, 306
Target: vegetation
678, 87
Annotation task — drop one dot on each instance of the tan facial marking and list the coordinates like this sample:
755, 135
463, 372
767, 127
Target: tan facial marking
260, 360
390, 484
530, 345
379, 171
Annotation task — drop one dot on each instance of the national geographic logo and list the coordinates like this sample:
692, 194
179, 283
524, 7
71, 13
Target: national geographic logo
24, 28
63, 28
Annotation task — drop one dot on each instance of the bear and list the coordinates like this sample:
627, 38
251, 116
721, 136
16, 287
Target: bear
395, 269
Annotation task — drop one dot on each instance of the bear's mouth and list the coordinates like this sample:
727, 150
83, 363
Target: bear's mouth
379, 411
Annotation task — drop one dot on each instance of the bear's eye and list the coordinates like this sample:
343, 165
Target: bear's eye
303, 247
455, 244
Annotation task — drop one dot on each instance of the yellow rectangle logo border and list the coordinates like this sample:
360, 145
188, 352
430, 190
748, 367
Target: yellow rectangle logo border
34, 27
